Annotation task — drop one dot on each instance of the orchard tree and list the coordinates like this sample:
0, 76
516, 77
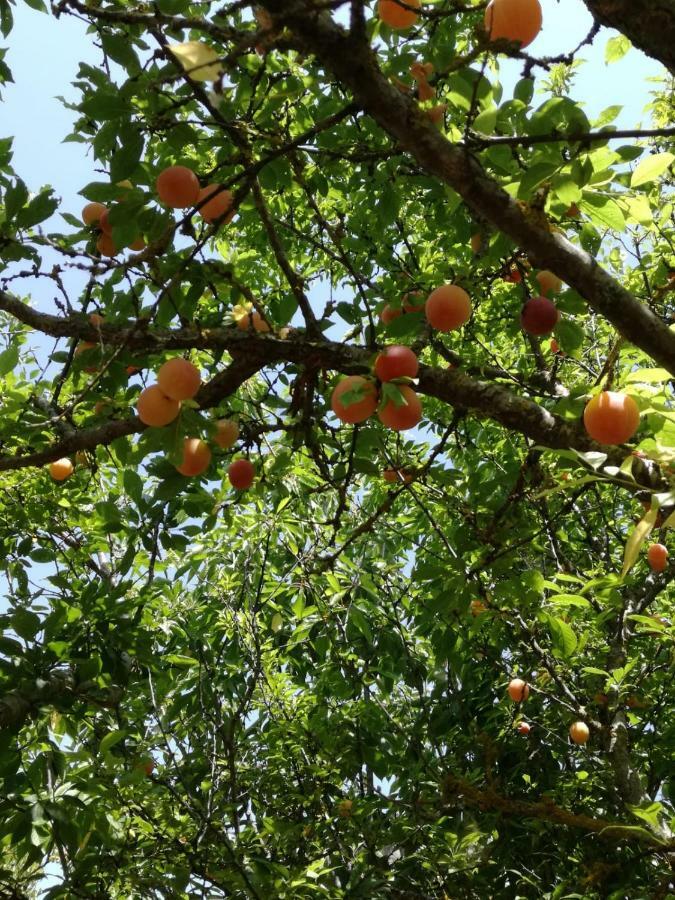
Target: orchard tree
337, 477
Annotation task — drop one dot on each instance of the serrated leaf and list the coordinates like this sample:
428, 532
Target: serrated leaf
198, 60
651, 168
637, 538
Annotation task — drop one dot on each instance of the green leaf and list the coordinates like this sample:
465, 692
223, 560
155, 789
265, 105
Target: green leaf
25, 623
563, 636
110, 739
105, 105
651, 168
603, 210
39, 209
9, 360
616, 48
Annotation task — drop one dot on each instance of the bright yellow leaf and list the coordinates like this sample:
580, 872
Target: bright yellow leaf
199, 60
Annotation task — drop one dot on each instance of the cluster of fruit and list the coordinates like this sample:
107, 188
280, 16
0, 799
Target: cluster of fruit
519, 690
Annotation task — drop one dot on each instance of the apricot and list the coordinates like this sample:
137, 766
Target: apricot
514, 276
513, 20
611, 418
61, 469
92, 213
401, 418
524, 728
220, 208
155, 408
395, 14
241, 474
579, 732
177, 187
573, 211
196, 457
518, 690
397, 476
477, 607
104, 222
227, 432
388, 314
105, 245
252, 319
436, 113
178, 379
344, 809
363, 404
555, 346
138, 245
476, 242
408, 301
96, 319
657, 557
132, 370
396, 362
448, 308
539, 316
548, 282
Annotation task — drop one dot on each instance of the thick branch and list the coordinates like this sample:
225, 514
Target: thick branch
650, 24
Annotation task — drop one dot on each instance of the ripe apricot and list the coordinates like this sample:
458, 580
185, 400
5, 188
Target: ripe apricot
448, 307
241, 474
254, 319
177, 187
216, 209
548, 282
513, 276
397, 476
539, 316
611, 418
364, 401
227, 432
104, 222
131, 370
476, 242
105, 245
92, 213
410, 304
657, 556
513, 20
61, 469
96, 319
477, 607
401, 418
524, 728
178, 379
396, 362
388, 314
395, 14
138, 245
196, 457
518, 690
155, 408
579, 732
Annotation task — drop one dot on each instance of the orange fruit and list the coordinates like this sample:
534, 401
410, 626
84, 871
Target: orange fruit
611, 418
396, 15
524, 728
92, 212
518, 690
397, 476
513, 20
105, 245
179, 379
388, 314
61, 469
548, 282
227, 432
241, 474
214, 210
657, 556
579, 732
196, 457
155, 408
177, 187
396, 362
409, 301
361, 407
476, 242
401, 418
448, 308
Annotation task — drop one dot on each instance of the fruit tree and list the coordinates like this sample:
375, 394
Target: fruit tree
337, 438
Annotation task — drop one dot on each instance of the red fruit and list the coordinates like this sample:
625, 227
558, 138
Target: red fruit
555, 346
539, 316
657, 556
241, 474
401, 418
514, 276
518, 690
611, 418
363, 404
396, 362
178, 187
524, 728
196, 457
513, 20
448, 308
388, 314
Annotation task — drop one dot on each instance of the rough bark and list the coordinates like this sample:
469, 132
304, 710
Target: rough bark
650, 24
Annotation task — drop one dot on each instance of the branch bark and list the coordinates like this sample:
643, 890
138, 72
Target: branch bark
650, 24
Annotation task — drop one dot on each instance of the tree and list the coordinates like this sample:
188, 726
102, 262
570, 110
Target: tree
299, 688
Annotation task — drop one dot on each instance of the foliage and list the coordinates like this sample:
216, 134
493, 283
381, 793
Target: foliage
193, 680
